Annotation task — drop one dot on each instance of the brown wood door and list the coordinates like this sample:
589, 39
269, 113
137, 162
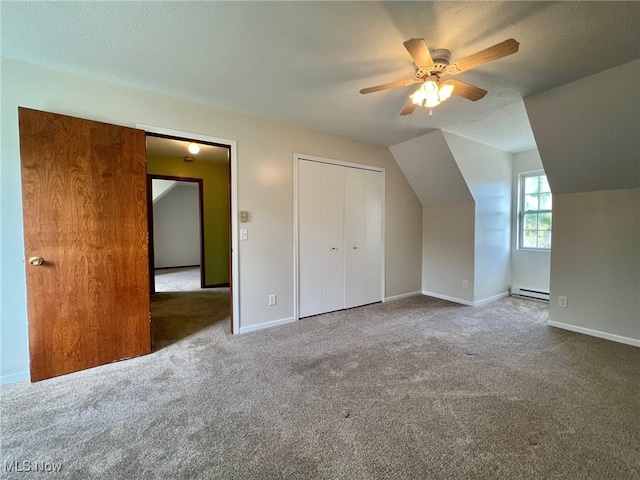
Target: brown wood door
85, 214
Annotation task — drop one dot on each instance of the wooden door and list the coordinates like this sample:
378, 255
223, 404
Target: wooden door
85, 215
354, 245
332, 237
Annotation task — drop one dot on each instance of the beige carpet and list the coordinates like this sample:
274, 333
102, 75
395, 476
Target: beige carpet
416, 388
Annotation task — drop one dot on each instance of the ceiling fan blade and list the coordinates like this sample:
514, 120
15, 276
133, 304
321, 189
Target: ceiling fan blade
387, 86
408, 108
418, 50
468, 91
490, 54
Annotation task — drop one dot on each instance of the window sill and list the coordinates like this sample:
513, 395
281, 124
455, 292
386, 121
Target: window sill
539, 250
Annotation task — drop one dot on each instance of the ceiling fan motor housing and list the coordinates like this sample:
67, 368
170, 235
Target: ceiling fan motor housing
441, 59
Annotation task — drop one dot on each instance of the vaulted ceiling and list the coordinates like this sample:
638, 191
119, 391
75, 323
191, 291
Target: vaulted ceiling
305, 62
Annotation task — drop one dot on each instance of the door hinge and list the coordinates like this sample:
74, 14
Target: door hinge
149, 317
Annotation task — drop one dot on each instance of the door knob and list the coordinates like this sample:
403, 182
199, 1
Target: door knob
36, 261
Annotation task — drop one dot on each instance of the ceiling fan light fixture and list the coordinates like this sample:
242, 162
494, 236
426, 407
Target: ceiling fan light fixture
417, 98
431, 94
432, 101
445, 91
430, 87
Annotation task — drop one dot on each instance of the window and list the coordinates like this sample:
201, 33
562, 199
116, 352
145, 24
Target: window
534, 214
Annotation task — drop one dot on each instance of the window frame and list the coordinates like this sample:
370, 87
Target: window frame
521, 211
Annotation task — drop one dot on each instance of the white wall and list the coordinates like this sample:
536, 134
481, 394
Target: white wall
161, 187
529, 269
448, 251
448, 215
588, 135
488, 173
588, 131
176, 227
596, 262
465, 189
265, 189
431, 170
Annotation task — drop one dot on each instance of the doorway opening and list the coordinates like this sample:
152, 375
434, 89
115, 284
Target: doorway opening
191, 205
176, 234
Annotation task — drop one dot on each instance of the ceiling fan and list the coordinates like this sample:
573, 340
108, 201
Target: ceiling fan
430, 68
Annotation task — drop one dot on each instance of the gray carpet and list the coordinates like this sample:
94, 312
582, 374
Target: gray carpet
183, 279
416, 388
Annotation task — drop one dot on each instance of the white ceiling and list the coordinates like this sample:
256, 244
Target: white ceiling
304, 62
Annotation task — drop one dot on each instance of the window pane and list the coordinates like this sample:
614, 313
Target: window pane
530, 202
544, 221
531, 221
535, 213
531, 185
544, 184
545, 201
530, 239
544, 239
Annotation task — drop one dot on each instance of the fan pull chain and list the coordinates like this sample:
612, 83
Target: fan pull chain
430, 112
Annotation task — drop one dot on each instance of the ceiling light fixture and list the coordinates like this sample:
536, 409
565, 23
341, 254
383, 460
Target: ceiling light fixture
193, 148
431, 93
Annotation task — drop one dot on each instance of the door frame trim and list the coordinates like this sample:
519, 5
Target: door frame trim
235, 250
297, 157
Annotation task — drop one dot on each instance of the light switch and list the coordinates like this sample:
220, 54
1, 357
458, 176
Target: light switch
243, 234
244, 216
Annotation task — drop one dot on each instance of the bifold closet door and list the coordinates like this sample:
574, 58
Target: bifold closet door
332, 237
373, 199
354, 236
339, 237
310, 237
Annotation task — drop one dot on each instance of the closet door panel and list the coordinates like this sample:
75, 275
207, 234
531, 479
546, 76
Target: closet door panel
309, 237
332, 237
373, 198
354, 230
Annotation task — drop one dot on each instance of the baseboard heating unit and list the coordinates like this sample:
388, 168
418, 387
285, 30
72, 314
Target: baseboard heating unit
531, 294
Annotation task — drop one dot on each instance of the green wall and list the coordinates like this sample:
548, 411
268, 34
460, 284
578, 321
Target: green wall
215, 178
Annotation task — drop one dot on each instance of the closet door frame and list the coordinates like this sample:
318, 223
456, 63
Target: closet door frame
297, 158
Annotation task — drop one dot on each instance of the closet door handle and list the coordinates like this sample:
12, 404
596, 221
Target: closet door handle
355, 248
334, 249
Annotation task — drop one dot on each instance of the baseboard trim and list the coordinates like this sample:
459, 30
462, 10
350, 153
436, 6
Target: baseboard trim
595, 333
179, 266
490, 299
261, 326
447, 297
216, 285
16, 377
401, 296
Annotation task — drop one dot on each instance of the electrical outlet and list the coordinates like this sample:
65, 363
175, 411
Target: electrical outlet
273, 299
465, 283
563, 302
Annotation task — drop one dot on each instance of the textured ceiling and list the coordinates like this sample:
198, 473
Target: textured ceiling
304, 62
